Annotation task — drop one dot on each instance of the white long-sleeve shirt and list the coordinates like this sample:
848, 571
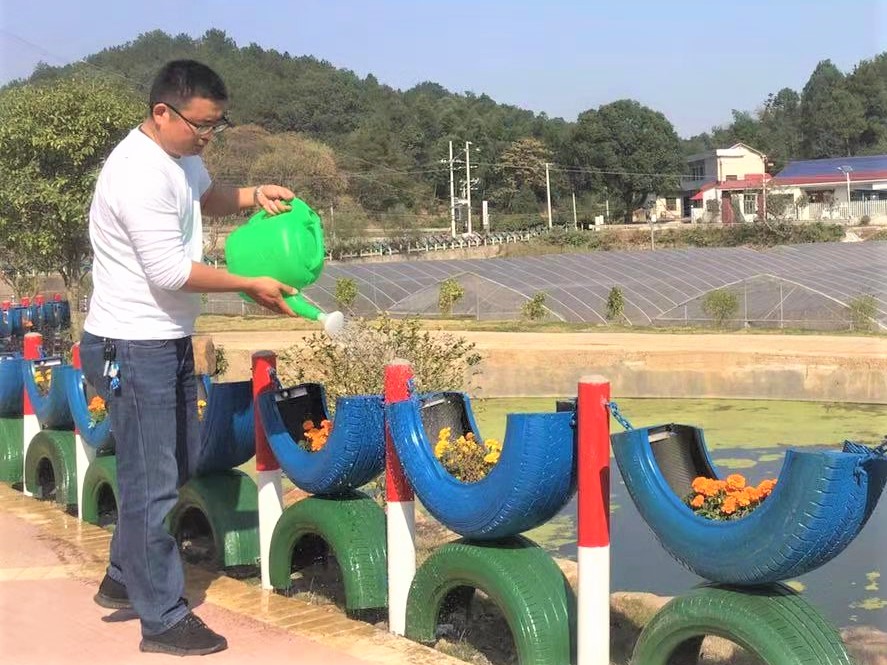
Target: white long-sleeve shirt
145, 229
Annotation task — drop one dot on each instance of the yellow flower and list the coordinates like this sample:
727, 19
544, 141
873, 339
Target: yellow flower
201, 407
492, 444
491, 457
440, 448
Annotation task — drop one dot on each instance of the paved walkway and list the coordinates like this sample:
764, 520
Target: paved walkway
50, 567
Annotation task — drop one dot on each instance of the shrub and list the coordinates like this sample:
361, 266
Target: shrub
534, 309
615, 304
451, 292
721, 305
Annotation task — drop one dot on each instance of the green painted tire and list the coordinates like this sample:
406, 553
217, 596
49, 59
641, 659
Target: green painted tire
101, 478
772, 622
519, 577
228, 501
353, 526
11, 433
52, 451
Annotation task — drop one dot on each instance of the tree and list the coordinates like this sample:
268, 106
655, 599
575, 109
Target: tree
346, 292
520, 168
868, 83
53, 139
634, 148
781, 127
863, 312
451, 292
832, 118
721, 305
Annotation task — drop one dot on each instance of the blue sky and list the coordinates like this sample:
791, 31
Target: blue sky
692, 60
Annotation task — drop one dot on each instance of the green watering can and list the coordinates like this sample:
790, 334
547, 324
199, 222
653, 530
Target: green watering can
288, 247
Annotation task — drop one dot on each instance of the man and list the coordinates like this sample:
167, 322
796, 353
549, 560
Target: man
146, 234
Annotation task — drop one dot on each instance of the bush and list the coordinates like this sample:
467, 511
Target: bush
863, 310
865, 220
346, 292
721, 305
534, 309
353, 362
615, 304
451, 292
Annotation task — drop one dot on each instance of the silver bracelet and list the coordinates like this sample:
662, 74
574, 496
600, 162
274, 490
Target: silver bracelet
256, 193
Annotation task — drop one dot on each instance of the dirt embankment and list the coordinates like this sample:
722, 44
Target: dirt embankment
796, 367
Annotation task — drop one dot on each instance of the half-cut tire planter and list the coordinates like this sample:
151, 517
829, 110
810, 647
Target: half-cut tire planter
518, 576
99, 488
49, 467
52, 408
227, 501
353, 527
11, 435
227, 431
10, 385
353, 455
533, 479
97, 436
772, 622
821, 502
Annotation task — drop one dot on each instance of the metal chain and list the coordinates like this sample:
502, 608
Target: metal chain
617, 415
272, 374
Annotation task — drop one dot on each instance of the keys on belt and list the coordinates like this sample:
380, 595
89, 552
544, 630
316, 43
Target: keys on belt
112, 369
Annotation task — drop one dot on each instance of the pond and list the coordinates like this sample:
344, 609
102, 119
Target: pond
849, 590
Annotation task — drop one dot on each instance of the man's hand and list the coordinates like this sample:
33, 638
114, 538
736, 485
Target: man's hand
272, 198
269, 293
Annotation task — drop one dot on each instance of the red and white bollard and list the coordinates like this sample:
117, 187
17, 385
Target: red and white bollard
400, 509
593, 459
30, 426
268, 473
84, 454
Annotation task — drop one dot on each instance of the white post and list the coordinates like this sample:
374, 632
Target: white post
607, 213
593, 521
452, 196
30, 425
764, 191
270, 493
575, 223
468, 182
548, 193
400, 509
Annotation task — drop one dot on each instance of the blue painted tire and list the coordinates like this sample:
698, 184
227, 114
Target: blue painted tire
16, 325
52, 409
534, 478
227, 432
11, 385
99, 436
821, 502
354, 453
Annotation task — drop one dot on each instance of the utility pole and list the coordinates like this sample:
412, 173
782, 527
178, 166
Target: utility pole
847, 170
548, 192
452, 196
575, 223
468, 181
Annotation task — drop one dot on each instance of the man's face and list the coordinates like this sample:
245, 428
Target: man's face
187, 129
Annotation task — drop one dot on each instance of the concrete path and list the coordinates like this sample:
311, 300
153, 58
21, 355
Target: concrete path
50, 567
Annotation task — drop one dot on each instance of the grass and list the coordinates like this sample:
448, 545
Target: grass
209, 323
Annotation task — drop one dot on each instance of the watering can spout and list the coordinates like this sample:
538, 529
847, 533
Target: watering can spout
288, 247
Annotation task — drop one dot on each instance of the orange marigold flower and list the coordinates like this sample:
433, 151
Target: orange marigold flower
699, 483
766, 487
735, 482
698, 501
307, 425
729, 506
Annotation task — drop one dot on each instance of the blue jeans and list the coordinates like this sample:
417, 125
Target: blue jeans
154, 419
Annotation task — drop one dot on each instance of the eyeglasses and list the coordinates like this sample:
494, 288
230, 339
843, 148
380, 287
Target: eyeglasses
203, 130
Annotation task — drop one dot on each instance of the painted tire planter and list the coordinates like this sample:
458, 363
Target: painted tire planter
773, 623
101, 478
519, 577
353, 455
227, 431
533, 479
11, 395
98, 436
50, 468
11, 434
820, 503
52, 409
353, 526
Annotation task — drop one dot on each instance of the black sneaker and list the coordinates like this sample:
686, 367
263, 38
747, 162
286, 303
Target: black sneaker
189, 637
112, 595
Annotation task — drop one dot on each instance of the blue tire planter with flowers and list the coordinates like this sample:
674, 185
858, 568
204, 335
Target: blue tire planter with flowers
821, 501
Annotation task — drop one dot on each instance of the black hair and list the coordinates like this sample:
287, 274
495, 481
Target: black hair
179, 81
